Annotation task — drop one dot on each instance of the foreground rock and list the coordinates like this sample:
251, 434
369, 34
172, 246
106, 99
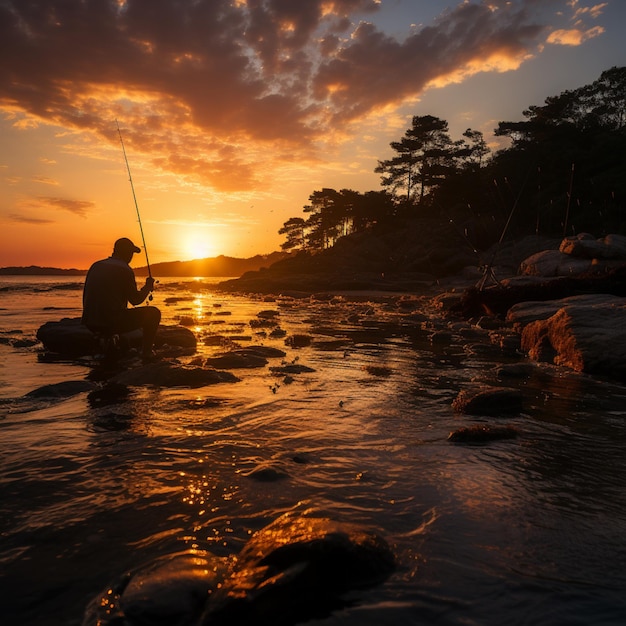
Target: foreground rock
294, 570
68, 337
587, 337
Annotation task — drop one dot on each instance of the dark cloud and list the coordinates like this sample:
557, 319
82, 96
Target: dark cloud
195, 76
25, 219
78, 207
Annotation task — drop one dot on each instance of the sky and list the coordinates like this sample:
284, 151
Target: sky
232, 112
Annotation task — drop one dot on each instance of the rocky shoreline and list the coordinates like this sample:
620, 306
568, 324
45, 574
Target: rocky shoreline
566, 300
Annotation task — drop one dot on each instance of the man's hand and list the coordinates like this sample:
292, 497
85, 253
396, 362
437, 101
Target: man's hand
150, 283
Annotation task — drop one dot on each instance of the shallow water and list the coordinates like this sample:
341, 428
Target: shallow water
524, 531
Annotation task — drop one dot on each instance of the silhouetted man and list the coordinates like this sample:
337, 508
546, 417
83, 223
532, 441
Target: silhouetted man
109, 287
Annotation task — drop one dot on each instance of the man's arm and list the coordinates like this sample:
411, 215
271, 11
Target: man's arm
136, 296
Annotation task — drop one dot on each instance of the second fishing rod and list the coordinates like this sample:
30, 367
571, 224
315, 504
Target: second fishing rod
132, 186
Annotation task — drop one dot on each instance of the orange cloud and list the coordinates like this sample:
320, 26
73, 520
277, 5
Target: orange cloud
573, 37
259, 78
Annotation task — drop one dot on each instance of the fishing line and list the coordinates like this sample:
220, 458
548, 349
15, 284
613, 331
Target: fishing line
132, 186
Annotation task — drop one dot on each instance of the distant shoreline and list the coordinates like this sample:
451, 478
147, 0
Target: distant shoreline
34, 270
221, 266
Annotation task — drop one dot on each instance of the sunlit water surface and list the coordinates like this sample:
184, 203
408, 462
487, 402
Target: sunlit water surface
525, 531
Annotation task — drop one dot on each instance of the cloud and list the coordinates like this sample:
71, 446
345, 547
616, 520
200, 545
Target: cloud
574, 36
25, 219
45, 180
78, 207
204, 88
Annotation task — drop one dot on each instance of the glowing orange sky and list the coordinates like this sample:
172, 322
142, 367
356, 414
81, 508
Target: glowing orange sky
232, 113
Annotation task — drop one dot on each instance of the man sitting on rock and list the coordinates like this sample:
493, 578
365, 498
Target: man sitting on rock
109, 287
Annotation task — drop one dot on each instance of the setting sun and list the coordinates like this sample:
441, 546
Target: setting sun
197, 245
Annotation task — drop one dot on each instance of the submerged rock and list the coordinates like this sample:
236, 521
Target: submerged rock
488, 401
235, 360
168, 374
482, 433
64, 389
294, 570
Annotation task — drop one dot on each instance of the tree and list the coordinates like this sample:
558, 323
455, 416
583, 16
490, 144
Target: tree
295, 229
425, 155
477, 149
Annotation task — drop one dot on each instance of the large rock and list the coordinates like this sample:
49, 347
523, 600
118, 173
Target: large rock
584, 246
171, 374
69, 337
294, 570
524, 313
554, 263
581, 254
498, 299
588, 337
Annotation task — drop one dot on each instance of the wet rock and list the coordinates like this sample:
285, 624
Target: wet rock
482, 433
265, 351
268, 314
294, 570
174, 336
298, 341
267, 474
167, 374
378, 370
516, 370
587, 338
487, 400
70, 338
236, 360
64, 389
170, 590
292, 368
109, 394
297, 569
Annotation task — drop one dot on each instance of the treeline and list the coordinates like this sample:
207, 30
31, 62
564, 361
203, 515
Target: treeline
564, 172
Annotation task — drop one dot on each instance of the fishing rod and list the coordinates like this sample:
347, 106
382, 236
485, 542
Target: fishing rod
132, 186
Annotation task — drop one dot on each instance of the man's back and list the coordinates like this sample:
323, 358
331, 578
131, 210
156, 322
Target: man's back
108, 286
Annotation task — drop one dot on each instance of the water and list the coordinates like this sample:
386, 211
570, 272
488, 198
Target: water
524, 531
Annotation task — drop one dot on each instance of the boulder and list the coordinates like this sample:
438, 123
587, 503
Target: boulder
498, 299
69, 337
586, 337
169, 590
524, 313
294, 570
580, 254
584, 246
554, 263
